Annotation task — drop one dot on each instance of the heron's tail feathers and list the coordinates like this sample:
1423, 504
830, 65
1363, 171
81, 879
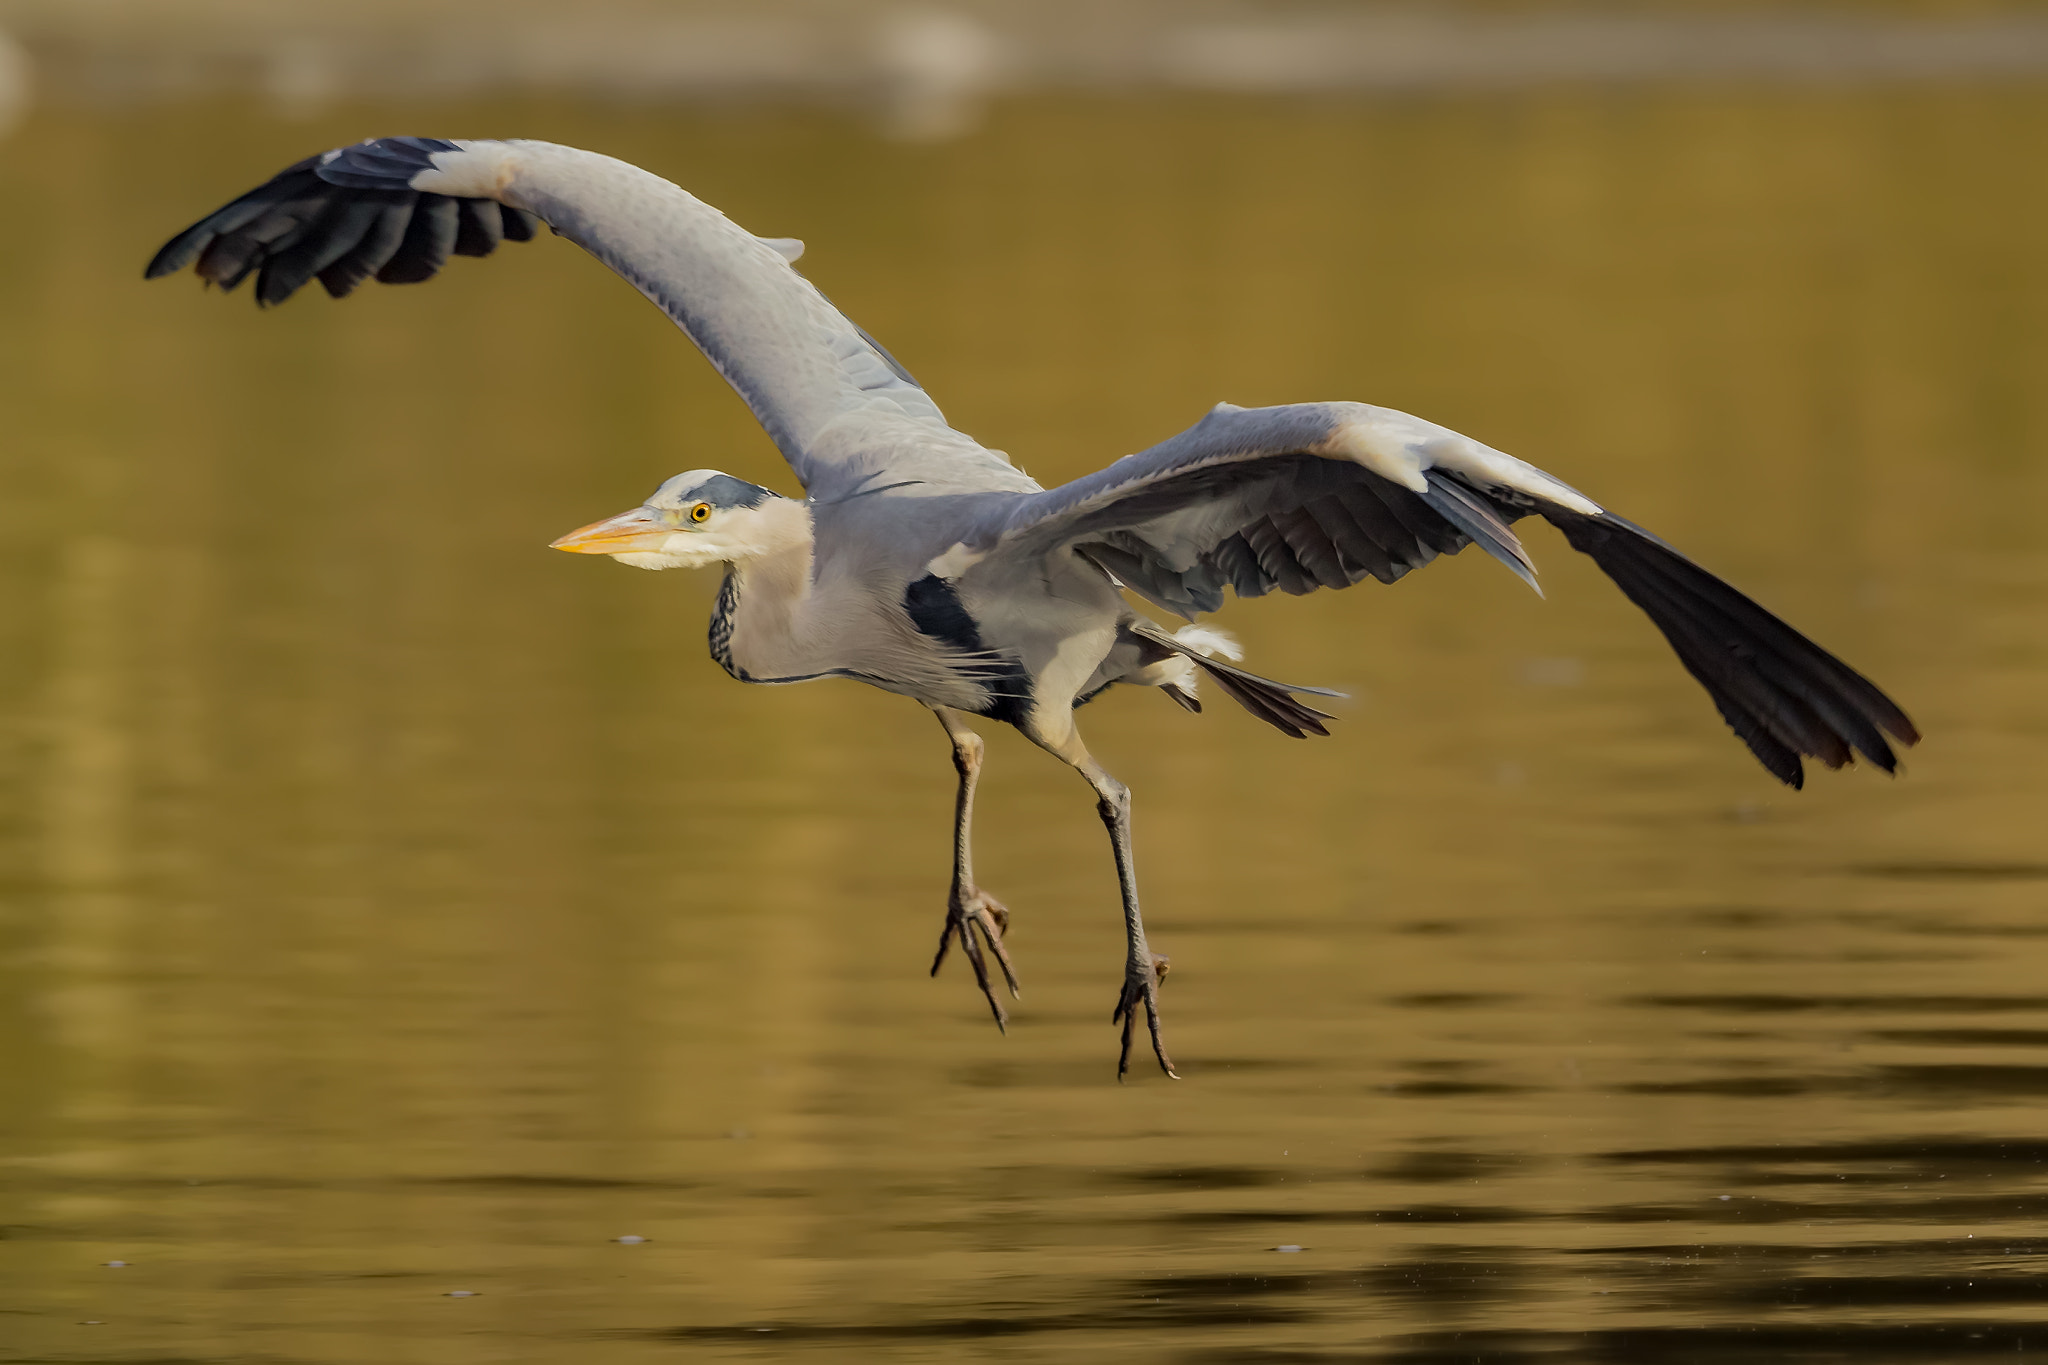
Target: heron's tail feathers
1209, 640
1181, 687
1782, 694
1272, 702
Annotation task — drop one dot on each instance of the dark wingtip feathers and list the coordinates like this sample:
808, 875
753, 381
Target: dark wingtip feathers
520, 226
429, 239
480, 227
1783, 695
1479, 519
179, 252
341, 217
382, 163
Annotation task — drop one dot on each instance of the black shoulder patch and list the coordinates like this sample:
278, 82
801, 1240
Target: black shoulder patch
934, 608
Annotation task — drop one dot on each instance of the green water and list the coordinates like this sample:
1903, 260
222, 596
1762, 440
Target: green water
389, 906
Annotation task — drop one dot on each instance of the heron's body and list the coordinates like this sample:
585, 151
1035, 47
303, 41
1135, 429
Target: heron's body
928, 565
1022, 643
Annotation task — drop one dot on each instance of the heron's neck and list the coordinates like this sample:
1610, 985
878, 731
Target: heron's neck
757, 629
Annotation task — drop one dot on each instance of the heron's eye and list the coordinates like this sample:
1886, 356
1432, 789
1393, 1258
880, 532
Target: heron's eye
701, 512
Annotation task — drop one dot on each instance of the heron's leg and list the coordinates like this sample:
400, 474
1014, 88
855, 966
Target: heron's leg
1142, 969
969, 909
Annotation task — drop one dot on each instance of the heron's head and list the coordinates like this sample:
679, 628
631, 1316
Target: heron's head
693, 521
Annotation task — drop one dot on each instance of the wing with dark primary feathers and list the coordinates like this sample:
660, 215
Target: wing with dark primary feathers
1781, 693
302, 224
1326, 495
846, 416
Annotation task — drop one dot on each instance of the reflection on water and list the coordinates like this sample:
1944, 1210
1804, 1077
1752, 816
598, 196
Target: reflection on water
393, 908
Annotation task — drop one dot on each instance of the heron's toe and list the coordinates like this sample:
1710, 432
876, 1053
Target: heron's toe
1141, 988
978, 920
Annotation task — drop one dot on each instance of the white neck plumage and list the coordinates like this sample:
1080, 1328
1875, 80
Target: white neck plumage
757, 630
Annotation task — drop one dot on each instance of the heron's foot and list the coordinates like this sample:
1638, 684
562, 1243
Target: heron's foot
1141, 987
975, 918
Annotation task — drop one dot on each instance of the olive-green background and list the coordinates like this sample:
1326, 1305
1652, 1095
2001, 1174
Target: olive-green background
389, 906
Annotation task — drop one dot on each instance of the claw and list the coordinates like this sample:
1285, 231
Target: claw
1142, 986
977, 918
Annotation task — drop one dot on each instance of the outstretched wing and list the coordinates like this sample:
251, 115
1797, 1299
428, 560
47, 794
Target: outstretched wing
1324, 495
845, 415
1312, 495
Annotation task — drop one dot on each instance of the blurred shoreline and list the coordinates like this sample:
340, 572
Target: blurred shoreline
925, 70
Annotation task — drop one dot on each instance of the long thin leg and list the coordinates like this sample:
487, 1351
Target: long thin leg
1142, 969
969, 909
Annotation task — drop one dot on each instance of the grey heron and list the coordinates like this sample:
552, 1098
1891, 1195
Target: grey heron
926, 564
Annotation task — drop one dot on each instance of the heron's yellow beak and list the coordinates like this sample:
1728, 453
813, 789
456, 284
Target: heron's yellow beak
640, 531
